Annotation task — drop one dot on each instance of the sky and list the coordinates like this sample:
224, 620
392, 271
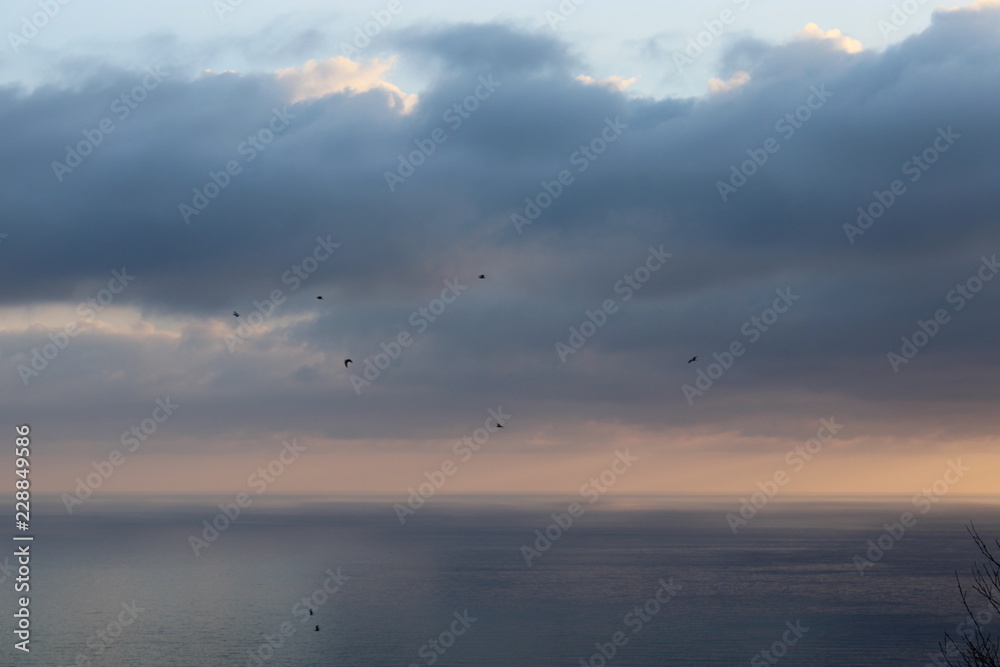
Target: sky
798, 197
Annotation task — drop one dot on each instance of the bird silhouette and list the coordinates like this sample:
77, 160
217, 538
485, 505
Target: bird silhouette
499, 425
320, 298
317, 628
310, 612
482, 276
692, 359
348, 361
235, 314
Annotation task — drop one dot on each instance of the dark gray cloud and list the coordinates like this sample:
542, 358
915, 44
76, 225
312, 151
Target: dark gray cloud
655, 184
498, 47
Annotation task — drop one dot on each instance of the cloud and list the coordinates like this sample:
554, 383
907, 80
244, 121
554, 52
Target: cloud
978, 5
838, 39
501, 48
317, 79
735, 81
615, 82
656, 184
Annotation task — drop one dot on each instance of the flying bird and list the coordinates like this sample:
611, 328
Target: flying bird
235, 314
348, 361
317, 628
692, 359
499, 425
319, 297
482, 276
310, 612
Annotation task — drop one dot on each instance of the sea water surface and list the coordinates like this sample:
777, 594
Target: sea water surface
120, 585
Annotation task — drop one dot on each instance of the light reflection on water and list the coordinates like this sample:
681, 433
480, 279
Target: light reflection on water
792, 562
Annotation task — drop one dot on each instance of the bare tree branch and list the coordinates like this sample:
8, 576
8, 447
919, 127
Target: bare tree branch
976, 648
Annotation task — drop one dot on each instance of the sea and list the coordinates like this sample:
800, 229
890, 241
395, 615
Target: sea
525, 582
